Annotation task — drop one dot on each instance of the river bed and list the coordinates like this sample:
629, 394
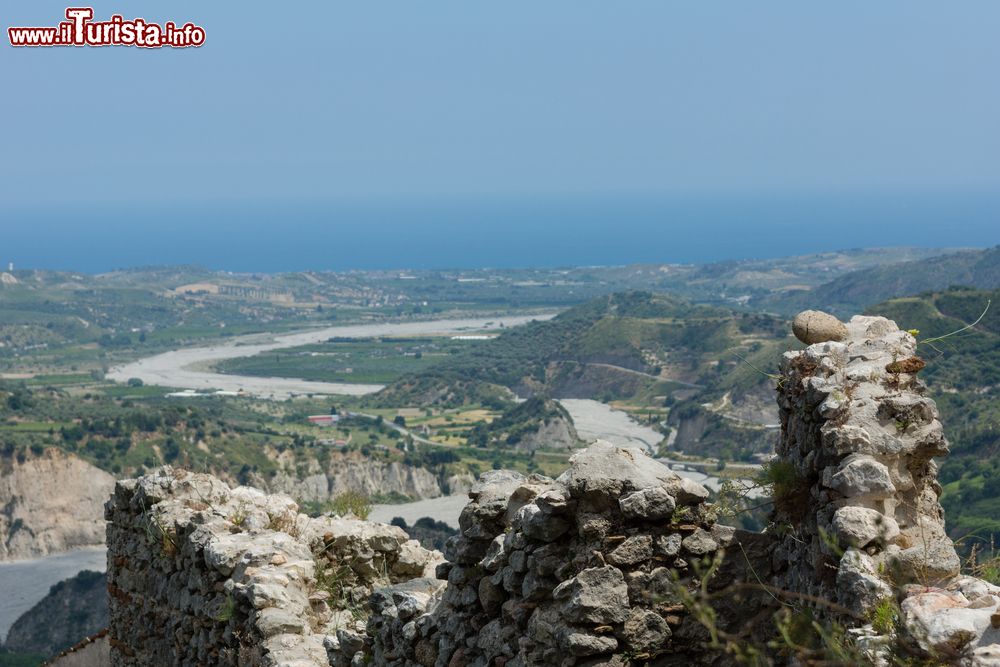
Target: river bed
190, 368
599, 421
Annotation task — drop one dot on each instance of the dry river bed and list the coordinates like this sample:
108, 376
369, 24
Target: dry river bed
190, 368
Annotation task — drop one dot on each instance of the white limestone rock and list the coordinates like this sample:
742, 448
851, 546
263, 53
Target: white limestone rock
858, 582
860, 475
859, 526
946, 620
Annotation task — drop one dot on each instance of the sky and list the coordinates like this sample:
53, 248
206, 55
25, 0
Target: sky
320, 105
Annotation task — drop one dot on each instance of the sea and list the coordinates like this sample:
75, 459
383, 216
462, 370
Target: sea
484, 232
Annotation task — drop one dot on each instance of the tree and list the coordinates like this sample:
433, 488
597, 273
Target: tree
171, 450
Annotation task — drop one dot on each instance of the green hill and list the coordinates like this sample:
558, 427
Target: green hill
612, 347
74, 609
532, 424
649, 350
853, 292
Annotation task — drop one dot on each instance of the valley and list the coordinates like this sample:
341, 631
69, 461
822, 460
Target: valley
188, 368
357, 398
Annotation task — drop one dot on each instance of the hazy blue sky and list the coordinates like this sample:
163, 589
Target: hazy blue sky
400, 100
356, 98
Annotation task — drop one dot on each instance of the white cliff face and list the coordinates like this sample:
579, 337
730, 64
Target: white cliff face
51, 503
362, 475
554, 433
371, 477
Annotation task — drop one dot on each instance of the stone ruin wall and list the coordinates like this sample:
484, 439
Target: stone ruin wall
860, 496
596, 567
201, 574
558, 572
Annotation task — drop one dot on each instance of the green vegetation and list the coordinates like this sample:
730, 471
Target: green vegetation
237, 438
367, 361
518, 423
653, 351
858, 290
240, 439
18, 659
619, 344
351, 503
226, 611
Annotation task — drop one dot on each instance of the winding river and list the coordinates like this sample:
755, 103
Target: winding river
191, 368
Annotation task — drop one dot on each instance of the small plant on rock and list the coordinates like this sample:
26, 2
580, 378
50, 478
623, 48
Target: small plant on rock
884, 616
351, 502
284, 522
239, 515
226, 610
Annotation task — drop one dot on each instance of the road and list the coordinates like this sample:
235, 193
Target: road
191, 368
632, 371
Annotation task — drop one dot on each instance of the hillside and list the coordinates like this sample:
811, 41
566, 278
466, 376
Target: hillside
653, 351
853, 292
61, 449
73, 609
537, 423
963, 373
634, 341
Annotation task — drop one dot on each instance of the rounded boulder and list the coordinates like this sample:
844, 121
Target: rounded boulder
815, 326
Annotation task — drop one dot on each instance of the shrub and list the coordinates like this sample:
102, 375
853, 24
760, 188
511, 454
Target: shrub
351, 502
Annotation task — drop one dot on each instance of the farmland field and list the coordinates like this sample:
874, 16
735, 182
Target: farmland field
375, 361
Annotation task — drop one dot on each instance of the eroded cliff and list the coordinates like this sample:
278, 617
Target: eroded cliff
50, 503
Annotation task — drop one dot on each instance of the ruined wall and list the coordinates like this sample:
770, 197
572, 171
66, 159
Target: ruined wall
566, 571
857, 496
202, 574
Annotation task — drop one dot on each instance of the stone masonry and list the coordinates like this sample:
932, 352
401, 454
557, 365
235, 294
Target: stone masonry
857, 502
200, 574
556, 572
860, 494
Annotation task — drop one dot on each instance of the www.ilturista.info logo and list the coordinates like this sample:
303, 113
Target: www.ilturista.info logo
81, 30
